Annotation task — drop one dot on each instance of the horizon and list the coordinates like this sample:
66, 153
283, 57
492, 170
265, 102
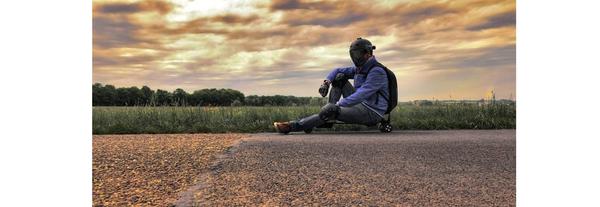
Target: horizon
462, 49
246, 95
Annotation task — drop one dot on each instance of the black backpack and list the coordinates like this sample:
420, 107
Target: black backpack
392, 87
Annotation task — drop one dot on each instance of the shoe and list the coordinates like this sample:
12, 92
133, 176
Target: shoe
283, 127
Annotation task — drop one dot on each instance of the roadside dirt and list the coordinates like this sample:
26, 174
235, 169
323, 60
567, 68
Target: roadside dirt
152, 170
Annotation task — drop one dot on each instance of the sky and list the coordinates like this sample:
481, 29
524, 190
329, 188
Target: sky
460, 49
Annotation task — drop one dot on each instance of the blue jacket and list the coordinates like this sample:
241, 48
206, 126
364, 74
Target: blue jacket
366, 88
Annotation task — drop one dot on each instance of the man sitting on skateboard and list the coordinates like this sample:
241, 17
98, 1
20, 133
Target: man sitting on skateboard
364, 103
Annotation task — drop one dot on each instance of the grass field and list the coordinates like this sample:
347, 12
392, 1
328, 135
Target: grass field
136, 120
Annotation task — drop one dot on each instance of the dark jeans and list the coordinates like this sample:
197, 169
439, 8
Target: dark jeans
357, 114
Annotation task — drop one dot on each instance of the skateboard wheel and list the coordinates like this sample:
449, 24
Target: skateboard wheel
385, 128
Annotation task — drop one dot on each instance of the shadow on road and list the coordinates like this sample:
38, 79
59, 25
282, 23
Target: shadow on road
371, 132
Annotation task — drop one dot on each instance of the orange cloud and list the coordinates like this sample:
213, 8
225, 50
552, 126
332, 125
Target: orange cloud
431, 45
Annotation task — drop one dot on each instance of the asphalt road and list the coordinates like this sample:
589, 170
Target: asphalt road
405, 168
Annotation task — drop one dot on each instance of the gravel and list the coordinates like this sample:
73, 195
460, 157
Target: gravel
406, 168
152, 170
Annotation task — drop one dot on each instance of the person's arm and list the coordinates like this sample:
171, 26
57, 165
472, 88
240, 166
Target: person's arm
375, 80
348, 71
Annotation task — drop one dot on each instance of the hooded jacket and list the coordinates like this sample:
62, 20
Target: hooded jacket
366, 86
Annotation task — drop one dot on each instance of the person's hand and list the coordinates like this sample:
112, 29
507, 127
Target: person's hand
324, 89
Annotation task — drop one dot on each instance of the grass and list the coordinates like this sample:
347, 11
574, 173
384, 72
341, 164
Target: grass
136, 120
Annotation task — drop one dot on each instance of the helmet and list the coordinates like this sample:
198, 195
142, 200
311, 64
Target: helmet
358, 49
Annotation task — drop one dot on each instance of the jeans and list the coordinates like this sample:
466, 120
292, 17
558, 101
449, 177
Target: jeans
357, 114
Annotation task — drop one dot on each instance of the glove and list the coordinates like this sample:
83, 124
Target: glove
324, 89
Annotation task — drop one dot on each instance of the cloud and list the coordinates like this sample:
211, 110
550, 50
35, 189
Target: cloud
234, 19
108, 60
329, 21
161, 7
119, 8
504, 56
302, 5
281, 47
499, 20
111, 32
418, 14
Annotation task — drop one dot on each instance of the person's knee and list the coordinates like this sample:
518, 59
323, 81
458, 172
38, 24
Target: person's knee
339, 81
329, 112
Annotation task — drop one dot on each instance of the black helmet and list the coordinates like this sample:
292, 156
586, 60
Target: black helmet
358, 49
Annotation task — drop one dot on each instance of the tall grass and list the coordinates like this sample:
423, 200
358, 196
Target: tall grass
135, 120
455, 117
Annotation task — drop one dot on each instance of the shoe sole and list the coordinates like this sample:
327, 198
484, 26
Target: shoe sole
277, 129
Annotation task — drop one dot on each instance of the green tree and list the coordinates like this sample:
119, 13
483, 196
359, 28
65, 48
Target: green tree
108, 95
103, 95
122, 98
180, 97
146, 95
134, 96
162, 98
252, 100
96, 94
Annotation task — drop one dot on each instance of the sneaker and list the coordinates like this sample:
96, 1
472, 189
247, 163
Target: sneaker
283, 127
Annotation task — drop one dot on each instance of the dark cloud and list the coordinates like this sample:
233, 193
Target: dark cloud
113, 24
285, 4
114, 32
267, 38
487, 58
205, 25
119, 8
419, 14
404, 15
98, 60
366, 19
144, 6
233, 19
329, 21
297, 4
326, 14
259, 34
499, 20
261, 40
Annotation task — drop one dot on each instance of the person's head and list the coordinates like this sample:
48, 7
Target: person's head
360, 51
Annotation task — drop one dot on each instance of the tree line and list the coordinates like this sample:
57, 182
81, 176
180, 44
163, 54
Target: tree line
109, 95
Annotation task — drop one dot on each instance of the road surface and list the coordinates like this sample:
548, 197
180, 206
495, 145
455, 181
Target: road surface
403, 168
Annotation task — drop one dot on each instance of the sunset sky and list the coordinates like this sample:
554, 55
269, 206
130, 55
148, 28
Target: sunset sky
437, 49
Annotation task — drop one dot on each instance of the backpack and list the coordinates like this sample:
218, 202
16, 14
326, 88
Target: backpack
392, 87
